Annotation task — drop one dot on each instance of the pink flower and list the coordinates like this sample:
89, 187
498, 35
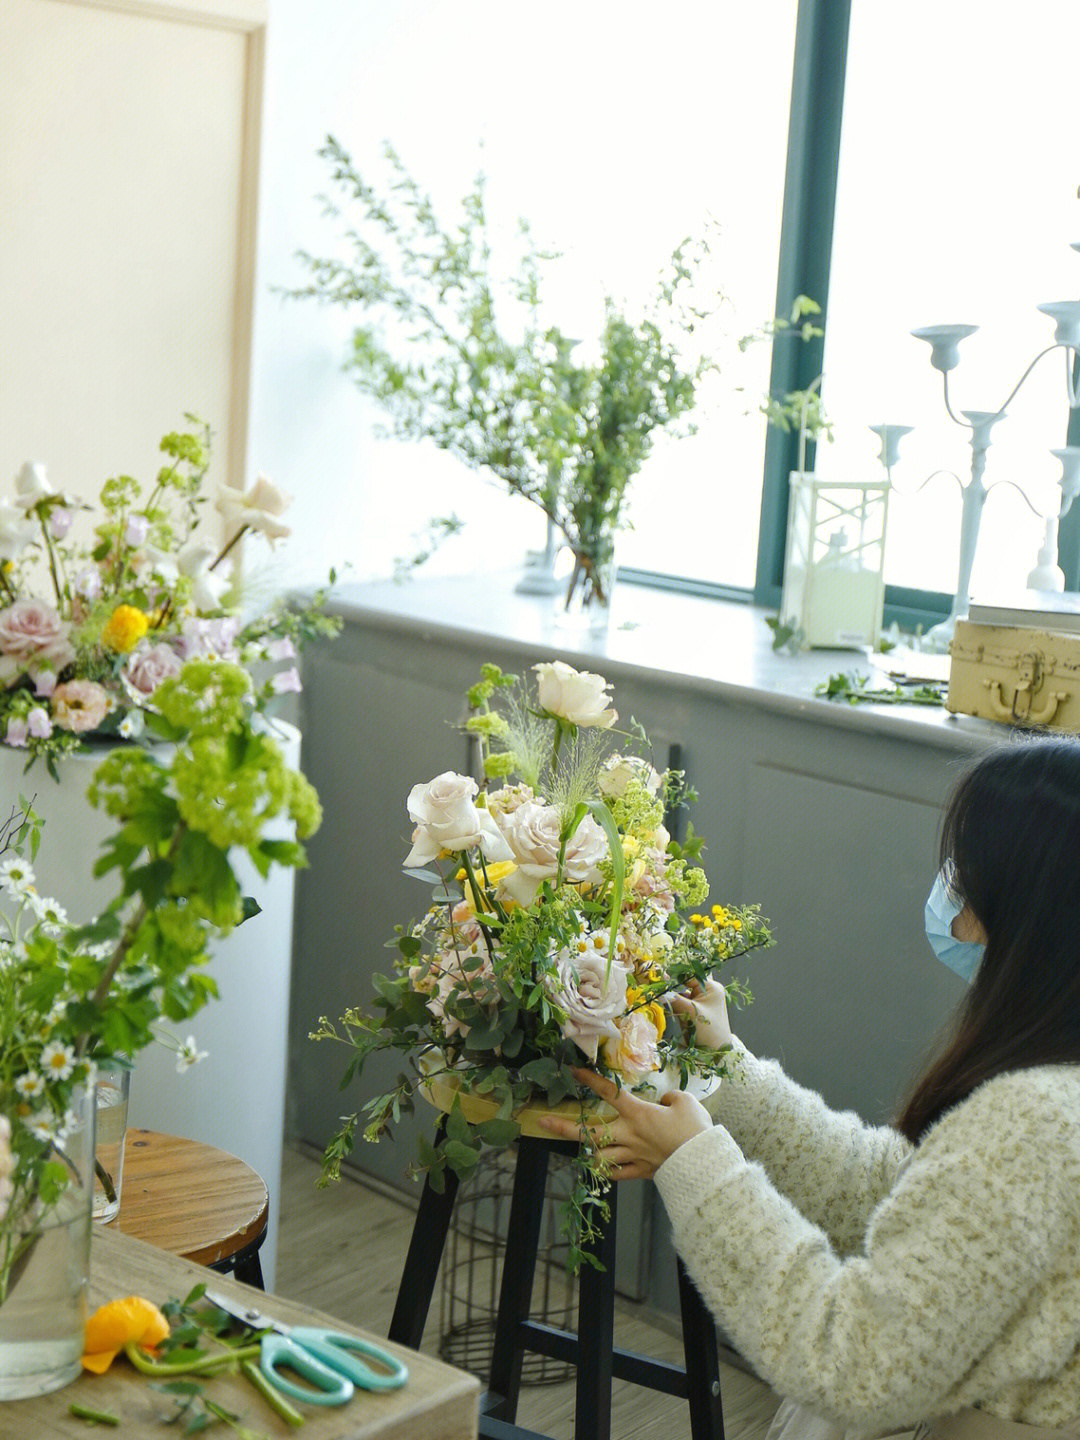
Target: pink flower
60, 520
209, 637
147, 666
88, 583
282, 649
30, 631
16, 732
80, 705
136, 530
636, 1053
285, 680
44, 682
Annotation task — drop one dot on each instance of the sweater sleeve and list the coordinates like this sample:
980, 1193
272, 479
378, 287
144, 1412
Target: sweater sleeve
952, 1255
832, 1165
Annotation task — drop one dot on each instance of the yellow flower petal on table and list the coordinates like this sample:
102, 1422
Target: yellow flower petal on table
126, 626
119, 1323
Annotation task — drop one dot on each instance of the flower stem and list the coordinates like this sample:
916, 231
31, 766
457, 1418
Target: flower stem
215, 563
273, 1398
95, 1417
204, 1365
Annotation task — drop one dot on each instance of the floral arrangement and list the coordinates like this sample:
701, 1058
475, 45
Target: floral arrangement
71, 994
475, 366
562, 920
130, 599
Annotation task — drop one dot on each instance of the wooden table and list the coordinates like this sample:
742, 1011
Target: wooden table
194, 1200
436, 1403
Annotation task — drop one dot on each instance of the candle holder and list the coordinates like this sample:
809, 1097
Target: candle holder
944, 342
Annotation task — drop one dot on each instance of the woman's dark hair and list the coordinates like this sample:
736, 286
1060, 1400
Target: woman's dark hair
1012, 831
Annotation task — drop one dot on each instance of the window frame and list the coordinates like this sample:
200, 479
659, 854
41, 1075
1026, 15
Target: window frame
817, 101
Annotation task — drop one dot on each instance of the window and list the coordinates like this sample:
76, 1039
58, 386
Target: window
615, 129
956, 203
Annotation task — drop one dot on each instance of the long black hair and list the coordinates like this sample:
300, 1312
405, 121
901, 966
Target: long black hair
1012, 831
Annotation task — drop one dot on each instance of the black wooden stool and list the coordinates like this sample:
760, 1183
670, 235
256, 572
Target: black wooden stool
592, 1349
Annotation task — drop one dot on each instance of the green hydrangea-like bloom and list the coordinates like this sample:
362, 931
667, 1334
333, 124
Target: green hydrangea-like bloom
304, 806
489, 724
207, 697
688, 881
500, 765
229, 790
122, 780
636, 811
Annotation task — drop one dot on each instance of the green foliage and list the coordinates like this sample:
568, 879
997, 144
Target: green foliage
434, 350
855, 689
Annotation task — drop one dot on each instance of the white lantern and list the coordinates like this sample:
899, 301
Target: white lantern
834, 564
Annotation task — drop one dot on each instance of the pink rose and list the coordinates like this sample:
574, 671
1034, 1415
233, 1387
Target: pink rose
31, 631
636, 1053
589, 993
147, 666
80, 706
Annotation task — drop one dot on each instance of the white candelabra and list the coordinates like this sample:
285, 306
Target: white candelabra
944, 342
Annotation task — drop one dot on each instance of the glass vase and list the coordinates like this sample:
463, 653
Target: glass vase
586, 579
45, 1263
113, 1086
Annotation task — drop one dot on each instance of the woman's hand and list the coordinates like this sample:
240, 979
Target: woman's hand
643, 1134
707, 1006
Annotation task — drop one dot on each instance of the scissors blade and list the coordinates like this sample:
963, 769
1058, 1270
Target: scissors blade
247, 1313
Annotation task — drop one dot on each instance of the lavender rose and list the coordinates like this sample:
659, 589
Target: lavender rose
147, 666
589, 993
32, 635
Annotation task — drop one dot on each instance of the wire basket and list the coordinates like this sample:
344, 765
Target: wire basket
472, 1269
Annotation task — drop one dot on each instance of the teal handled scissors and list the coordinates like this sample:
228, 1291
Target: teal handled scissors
330, 1359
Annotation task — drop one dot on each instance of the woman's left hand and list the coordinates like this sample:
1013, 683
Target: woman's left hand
643, 1134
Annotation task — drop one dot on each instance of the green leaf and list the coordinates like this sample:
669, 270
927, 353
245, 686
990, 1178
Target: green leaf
499, 1132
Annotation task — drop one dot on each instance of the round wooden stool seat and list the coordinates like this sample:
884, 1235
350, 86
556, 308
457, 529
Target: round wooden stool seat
193, 1200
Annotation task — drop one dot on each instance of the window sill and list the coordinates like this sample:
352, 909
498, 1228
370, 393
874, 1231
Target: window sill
720, 647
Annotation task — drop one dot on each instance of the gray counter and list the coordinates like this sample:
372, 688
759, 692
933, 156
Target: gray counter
826, 814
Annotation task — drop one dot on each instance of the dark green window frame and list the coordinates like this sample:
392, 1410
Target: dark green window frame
817, 101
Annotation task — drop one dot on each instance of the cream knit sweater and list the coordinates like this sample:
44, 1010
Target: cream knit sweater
883, 1285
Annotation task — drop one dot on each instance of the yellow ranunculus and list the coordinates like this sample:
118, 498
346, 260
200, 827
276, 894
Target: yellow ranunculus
120, 1323
126, 627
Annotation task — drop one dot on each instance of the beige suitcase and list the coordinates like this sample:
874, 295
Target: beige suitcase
1016, 675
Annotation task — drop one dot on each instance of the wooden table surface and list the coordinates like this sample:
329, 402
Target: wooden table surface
190, 1198
437, 1402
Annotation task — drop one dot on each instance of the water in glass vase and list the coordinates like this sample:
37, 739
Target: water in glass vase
43, 1318
111, 1127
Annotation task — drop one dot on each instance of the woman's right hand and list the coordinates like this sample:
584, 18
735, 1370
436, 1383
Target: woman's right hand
706, 1005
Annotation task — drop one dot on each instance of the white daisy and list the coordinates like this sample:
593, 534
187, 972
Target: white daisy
58, 1060
42, 1125
16, 877
52, 915
189, 1054
30, 1085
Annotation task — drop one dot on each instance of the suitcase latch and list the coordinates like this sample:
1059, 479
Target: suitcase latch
1030, 679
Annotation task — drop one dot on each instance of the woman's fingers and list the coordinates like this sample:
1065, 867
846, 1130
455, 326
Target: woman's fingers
598, 1084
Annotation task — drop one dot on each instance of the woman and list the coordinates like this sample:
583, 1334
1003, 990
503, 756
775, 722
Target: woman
882, 1278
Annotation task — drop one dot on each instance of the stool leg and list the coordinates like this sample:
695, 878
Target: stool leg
422, 1263
519, 1266
596, 1335
702, 1362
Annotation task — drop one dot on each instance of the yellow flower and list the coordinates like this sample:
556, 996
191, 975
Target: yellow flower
125, 628
120, 1323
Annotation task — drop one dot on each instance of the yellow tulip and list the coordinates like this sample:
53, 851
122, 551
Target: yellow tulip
119, 1323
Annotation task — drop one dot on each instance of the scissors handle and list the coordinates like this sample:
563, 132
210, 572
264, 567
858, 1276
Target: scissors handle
282, 1352
330, 1346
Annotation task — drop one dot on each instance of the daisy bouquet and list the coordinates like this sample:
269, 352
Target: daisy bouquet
72, 994
562, 919
100, 604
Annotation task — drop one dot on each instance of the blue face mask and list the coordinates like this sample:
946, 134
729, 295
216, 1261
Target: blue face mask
942, 907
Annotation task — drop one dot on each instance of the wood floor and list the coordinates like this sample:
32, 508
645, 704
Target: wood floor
342, 1249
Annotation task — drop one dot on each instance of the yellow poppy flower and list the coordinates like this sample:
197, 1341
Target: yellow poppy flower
125, 628
120, 1323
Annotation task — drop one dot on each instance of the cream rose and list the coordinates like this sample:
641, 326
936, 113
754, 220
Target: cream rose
533, 833
32, 637
447, 819
619, 770
590, 994
80, 706
257, 508
577, 696
636, 1053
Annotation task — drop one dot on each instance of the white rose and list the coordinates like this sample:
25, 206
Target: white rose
16, 531
447, 819
258, 508
31, 486
577, 696
589, 992
619, 770
533, 834
207, 588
